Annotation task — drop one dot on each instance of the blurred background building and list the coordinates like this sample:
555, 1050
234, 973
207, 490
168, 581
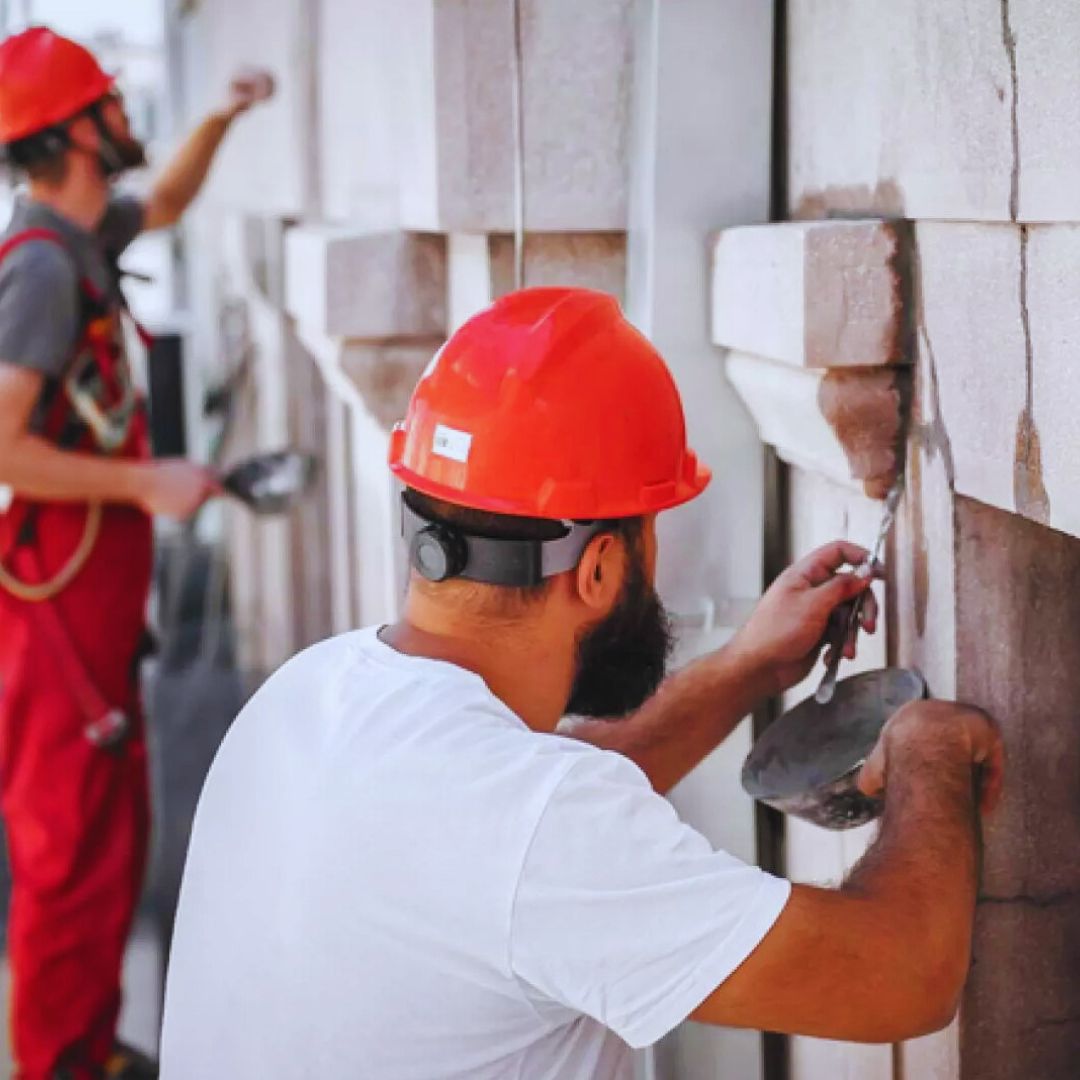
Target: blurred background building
849, 225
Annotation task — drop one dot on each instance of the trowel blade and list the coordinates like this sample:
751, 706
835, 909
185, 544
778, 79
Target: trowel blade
271, 483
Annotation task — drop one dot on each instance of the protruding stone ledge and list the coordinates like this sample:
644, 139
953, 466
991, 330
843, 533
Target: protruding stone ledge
842, 424
385, 374
814, 294
370, 286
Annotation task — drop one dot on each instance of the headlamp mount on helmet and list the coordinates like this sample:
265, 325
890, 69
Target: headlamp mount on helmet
439, 551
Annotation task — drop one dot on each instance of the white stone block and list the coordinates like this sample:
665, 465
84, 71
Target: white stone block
368, 285
968, 110
814, 294
385, 374
1047, 36
583, 260
361, 110
458, 143
900, 108
261, 165
972, 340
1053, 296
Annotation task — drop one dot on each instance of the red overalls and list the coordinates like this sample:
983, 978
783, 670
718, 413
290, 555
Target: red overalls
75, 810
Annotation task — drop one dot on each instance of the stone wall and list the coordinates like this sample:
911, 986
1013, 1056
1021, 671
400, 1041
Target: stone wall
955, 124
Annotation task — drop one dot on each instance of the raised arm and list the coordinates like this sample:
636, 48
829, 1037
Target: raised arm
884, 958
697, 708
185, 174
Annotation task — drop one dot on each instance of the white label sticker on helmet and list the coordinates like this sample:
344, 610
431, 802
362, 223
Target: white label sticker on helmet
450, 443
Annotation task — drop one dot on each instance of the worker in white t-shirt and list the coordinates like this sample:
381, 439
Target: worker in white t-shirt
400, 871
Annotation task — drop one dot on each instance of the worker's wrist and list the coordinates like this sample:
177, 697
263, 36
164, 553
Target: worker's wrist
136, 481
754, 677
222, 117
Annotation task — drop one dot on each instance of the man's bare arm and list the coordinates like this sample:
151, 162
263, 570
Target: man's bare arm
884, 957
38, 469
697, 708
185, 174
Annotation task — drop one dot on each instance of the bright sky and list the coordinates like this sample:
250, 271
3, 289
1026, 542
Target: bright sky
140, 20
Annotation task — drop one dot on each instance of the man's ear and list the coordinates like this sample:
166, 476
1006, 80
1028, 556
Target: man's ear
600, 574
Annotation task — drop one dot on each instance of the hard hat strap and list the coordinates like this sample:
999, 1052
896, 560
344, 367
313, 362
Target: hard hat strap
439, 551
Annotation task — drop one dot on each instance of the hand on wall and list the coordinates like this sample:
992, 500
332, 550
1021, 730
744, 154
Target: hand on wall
248, 87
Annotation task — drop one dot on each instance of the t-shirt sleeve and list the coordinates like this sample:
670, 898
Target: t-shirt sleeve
39, 308
123, 221
626, 914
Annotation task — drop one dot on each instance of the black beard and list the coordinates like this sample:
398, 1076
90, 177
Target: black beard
121, 154
621, 661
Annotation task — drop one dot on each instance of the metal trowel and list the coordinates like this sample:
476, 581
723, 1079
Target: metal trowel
847, 621
271, 483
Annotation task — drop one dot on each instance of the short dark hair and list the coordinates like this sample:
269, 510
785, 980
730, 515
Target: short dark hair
475, 522
42, 156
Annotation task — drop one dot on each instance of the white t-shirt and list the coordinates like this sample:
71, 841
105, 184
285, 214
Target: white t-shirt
391, 876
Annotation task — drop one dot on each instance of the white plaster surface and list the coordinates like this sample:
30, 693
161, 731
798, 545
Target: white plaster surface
576, 69
1053, 301
385, 374
908, 108
783, 401
974, 322
702, 75
821, 511
368, 285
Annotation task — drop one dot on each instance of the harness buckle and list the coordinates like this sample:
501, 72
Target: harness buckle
109, 731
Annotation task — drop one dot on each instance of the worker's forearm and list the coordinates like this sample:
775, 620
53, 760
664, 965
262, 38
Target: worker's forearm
924, 866
185, 174
36, 469
686, 719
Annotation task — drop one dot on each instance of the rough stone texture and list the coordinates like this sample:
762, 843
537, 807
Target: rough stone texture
900, 109
366, 285
587, 260
1047, 123
822, 294
995, 305
863, 408
968, 110
1021, 1013
843, 424
385, 375
576, 69
363, 50
783, 403
1048, 474
1018, 616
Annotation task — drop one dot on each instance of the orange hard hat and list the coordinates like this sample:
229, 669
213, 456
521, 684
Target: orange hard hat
549, 404
44, 80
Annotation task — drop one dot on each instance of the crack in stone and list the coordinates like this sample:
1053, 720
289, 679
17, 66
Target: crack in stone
1031, 900
1029, 490
1009, 40
931, 435
1057, 1021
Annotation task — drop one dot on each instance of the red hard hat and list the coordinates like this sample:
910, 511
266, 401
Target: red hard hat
549, 404
44, 80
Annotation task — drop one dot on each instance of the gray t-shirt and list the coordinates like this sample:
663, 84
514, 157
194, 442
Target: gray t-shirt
40, 300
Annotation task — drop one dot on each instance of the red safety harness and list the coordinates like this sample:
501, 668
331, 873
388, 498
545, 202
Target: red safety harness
80, 425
